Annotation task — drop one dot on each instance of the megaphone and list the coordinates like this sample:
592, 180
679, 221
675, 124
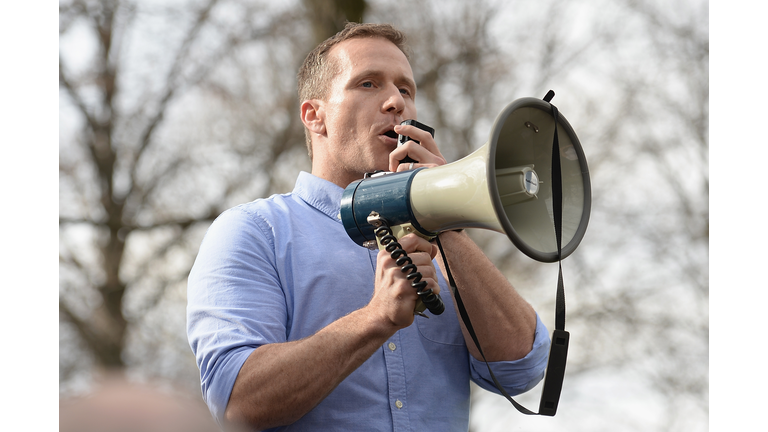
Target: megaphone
504, 186
530, 181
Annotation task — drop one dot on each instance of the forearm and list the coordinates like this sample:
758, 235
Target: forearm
504, 322
279, 383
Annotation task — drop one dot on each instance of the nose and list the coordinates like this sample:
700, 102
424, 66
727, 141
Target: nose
394, 102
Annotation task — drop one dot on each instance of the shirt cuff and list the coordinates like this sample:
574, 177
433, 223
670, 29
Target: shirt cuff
218, 389
517, 376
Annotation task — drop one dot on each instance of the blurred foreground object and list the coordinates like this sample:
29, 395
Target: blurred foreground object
118, 405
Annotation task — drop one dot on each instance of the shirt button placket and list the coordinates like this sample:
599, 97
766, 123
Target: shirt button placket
393, 356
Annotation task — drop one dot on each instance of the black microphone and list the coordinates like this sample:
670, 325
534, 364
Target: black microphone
402, 139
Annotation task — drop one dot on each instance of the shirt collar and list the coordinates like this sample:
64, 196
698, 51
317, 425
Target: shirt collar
320, 194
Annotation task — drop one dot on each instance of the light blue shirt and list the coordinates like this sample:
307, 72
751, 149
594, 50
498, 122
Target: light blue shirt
279, 269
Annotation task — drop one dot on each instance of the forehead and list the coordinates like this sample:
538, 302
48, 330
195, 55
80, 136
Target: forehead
375, 54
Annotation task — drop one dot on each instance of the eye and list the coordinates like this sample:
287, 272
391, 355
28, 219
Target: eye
367, 84
405, 91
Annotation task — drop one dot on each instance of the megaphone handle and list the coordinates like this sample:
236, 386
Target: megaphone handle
432, 301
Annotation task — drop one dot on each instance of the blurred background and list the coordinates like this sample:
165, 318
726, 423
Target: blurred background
172, 111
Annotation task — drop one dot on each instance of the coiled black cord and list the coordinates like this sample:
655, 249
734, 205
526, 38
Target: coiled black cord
432, 301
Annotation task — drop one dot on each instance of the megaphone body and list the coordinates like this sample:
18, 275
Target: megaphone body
504, 186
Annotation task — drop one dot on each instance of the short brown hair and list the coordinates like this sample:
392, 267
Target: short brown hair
318, 69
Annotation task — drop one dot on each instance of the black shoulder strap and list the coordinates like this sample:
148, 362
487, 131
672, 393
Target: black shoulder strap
558, 353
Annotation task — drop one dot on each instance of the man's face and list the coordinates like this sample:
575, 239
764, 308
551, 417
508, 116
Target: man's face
373, 91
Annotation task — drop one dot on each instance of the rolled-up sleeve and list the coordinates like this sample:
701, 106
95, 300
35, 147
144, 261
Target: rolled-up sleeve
516, 376
234, 303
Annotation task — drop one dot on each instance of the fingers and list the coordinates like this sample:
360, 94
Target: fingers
413, 243
420, 253
425, 138
397, 281
426, 152
394, 293
415, 152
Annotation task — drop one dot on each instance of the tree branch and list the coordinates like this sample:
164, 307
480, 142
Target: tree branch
171, 86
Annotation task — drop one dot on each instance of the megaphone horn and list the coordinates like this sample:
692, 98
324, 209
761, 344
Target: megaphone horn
504, 186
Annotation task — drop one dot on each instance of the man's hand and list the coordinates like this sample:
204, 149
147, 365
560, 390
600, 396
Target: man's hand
427, 154
394, 298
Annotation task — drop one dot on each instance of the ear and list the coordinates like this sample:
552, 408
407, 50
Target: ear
313, 116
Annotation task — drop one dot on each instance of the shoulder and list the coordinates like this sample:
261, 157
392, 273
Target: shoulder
263, 211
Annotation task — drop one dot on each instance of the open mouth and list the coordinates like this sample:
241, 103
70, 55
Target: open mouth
391, 134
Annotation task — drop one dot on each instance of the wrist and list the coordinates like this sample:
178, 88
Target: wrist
376, 324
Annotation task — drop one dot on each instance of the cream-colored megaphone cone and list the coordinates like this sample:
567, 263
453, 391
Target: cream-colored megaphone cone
456, 195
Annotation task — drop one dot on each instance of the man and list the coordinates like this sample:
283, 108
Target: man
295, 325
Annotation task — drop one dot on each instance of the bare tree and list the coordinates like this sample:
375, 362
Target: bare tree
167, 127
174, 114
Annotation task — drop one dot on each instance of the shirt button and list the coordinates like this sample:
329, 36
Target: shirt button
398, 404
392, 347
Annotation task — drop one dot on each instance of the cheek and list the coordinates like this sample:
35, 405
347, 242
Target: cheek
344, 119
355, 124
410, 110
337, 125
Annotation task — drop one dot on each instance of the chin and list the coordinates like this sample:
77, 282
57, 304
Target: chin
381, 165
